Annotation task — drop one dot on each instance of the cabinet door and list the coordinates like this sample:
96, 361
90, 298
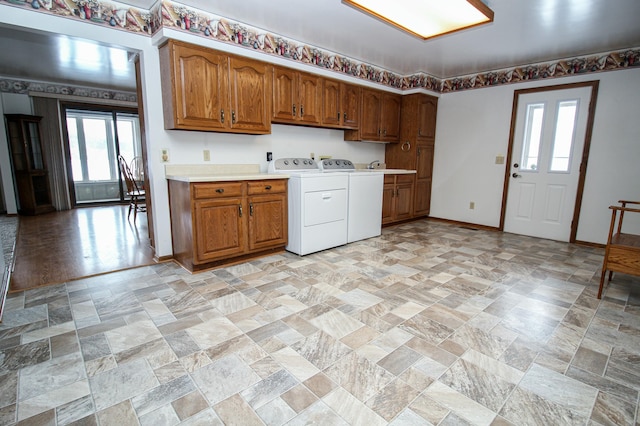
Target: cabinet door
250, 86
218, 229
390, 117
388, 198
370, 119
200, 89
404, 201
331, 114
424, 168
350, 105
310, 98
267, 221
427, 110
284, 94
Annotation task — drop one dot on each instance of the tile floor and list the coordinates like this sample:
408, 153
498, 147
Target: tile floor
428, 324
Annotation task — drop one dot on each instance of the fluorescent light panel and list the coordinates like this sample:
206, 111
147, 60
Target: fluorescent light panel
427, 18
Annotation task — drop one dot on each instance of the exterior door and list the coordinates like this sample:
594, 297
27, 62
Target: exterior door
548, 141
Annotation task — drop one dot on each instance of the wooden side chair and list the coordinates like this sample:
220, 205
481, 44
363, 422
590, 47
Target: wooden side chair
622, 253
135, 194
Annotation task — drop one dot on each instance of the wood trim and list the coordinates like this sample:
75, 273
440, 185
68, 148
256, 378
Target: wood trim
594, 84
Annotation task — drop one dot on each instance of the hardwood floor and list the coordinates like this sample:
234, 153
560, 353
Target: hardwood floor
62, 246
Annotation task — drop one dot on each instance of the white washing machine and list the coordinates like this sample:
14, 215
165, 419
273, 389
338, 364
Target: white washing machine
364, 219
318, 205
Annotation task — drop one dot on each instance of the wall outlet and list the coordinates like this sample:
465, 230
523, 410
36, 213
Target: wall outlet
206, 155
164, 155
269, 156
472, 205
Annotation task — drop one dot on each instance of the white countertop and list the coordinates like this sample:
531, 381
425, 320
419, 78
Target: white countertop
217, 172
232, 172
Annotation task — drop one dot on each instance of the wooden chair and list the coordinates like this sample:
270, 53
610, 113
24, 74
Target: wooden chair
622, 253
135, 194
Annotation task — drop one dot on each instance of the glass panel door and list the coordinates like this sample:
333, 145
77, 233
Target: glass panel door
96, 138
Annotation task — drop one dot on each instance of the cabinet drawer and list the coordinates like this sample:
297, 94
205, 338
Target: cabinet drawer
266, 186
408, 178
217, 190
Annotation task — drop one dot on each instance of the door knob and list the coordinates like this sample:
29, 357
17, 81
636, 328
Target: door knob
515, 175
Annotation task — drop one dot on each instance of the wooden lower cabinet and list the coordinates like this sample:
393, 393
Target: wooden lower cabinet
397, 198
214, 223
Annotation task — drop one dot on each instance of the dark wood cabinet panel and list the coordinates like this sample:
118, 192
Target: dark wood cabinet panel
250, 85
379, 118
297, 97
219, 229
29, 165
340, 105
397, 198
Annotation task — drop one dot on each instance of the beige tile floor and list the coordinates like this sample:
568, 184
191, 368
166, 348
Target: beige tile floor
428, 324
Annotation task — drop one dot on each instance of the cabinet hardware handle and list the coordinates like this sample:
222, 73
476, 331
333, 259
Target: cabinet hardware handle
268, 187
233, 117
338, 115
251, 209
301, 110
222, 115
406, 145
420, 131
294, 110
345, 116
220, 190
419, 152
379, 132
240, 209
385, 132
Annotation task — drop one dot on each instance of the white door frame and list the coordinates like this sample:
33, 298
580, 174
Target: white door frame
585, 151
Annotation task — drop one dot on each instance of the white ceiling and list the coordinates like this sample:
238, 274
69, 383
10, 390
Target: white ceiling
523, 32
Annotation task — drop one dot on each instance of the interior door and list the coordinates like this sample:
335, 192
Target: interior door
547, 148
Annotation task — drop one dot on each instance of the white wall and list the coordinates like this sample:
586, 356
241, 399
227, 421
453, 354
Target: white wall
473, 127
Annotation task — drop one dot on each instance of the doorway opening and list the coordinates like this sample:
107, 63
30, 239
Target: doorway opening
549, 146
94, 140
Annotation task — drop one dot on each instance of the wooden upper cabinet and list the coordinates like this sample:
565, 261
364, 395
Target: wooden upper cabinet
297, 97
370, 118
379, 119
250, 88
340, 104
203, 89
390, 117
427, 111
194, 87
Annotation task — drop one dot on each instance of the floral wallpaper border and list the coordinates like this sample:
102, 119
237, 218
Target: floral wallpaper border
173, 15
23, 87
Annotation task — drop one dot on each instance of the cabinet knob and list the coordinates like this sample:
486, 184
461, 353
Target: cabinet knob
220, 190
268, 187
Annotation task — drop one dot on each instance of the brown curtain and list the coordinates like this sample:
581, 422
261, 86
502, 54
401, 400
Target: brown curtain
52, 145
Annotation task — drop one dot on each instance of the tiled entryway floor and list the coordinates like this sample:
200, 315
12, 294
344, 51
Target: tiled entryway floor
430, 323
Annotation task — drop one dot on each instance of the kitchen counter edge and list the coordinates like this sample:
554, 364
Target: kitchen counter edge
227, 177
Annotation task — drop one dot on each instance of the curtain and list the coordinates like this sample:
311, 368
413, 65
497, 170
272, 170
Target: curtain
53, 150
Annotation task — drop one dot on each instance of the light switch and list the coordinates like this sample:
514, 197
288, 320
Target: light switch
206, 154
499, 159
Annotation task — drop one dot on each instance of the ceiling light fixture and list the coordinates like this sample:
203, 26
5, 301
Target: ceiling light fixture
427, 18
